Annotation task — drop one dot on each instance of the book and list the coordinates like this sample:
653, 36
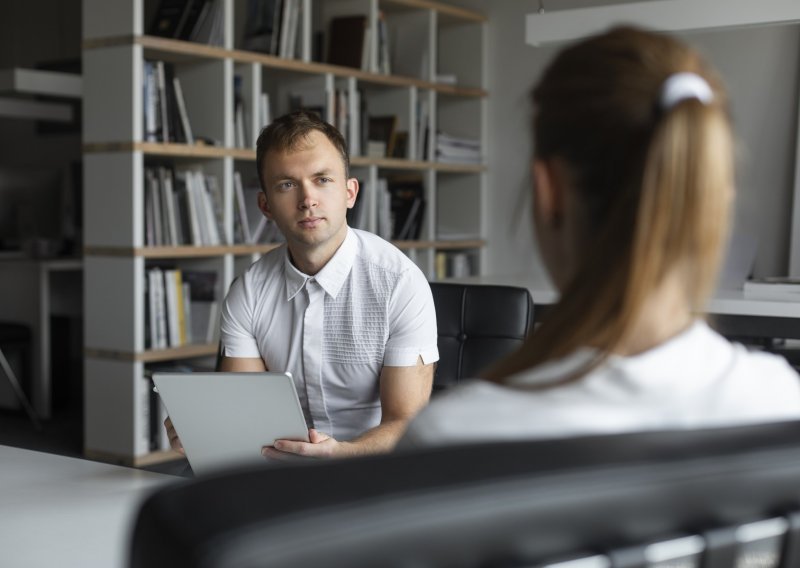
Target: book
346, 45
149, 210
286, 19
203, 304
162, 101
190, 17
264, 113
184, 116
168, 208
383, 201
407, 203
260, 25
168, 18
171, 278
192, 208
294, 24
383, 129
150, 102
242, 219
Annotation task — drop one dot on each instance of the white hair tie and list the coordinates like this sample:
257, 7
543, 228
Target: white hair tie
681, 86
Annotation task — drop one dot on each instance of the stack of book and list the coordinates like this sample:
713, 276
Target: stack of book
165, 116
272, 27
773, 288
453, 265
180, 307
401, 209
456, 150
350, 43
182, 208
191, 20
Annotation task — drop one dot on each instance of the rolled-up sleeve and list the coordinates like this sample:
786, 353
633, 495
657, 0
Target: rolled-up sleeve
412, 322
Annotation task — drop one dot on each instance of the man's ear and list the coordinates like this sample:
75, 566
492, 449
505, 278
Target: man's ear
548, 191
263, 205
352, 192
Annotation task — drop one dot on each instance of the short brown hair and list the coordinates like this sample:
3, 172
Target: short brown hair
290, 131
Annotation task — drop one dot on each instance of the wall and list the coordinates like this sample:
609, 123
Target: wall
31, 33
760, 66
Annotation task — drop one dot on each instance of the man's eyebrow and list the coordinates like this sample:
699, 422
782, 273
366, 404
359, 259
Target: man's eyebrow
279, 177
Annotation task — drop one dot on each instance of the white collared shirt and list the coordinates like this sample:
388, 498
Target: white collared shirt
369, 307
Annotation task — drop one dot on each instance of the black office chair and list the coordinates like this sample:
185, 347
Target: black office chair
18, 337
619, 499
478, 325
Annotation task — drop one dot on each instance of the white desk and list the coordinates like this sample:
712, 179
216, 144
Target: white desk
32, 290
724, 302
60, 511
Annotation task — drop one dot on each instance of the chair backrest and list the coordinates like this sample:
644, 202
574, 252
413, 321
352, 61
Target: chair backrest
478, 325
729, 497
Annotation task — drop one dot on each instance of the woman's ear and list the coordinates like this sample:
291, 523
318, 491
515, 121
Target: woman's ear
548, 192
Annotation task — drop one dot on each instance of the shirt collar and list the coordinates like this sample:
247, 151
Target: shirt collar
333, 274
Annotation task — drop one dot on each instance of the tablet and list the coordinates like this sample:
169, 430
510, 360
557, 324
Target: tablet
224, 419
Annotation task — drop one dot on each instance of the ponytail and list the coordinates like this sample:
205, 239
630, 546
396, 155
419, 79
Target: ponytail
659, 186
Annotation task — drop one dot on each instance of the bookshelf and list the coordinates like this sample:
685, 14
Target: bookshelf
117, 154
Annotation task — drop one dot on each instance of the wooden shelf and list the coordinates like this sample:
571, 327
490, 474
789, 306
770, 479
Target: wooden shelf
178, 51
155, 355
453, 13
179, 252
214, 152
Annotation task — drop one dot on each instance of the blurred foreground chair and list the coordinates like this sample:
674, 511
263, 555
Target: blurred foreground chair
478, 325
716, 498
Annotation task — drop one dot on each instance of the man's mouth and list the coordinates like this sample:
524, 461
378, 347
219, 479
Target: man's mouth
310, 222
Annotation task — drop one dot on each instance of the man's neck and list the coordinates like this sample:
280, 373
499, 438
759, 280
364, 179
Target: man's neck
310, 260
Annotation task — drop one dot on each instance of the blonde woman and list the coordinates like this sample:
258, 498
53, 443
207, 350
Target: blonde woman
633, 186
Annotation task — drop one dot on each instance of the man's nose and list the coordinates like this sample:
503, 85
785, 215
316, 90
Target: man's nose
308, 196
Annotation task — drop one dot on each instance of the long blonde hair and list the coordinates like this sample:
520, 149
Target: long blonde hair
656, 185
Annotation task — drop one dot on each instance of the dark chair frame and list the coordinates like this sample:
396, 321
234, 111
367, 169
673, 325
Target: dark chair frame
524, 503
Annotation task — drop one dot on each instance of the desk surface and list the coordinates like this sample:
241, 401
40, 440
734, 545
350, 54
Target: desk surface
724, 302
60, 511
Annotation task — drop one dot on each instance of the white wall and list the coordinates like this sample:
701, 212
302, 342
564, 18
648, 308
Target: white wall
761, 67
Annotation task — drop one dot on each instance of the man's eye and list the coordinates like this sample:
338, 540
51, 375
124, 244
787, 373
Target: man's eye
325, 180
285, 186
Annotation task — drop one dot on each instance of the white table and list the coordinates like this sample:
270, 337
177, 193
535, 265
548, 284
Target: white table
61, 511
31, 291
724, 302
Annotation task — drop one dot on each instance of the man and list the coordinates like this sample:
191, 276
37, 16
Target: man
348, 314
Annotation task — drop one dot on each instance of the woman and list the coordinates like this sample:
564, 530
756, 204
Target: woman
633, 187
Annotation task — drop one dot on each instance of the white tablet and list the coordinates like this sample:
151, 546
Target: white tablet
224, 419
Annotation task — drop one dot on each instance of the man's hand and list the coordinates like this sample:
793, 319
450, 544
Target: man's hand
320, 446
404, 391
174, 441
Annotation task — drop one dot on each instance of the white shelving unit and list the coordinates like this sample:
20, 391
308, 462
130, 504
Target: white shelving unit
115, 154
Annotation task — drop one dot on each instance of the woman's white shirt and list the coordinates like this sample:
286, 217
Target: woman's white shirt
697, 379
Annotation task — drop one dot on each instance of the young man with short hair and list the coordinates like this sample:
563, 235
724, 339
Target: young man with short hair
348, 314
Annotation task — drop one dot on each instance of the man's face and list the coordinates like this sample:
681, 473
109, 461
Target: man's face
307, 194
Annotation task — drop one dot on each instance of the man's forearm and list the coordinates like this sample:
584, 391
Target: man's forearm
378, 440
